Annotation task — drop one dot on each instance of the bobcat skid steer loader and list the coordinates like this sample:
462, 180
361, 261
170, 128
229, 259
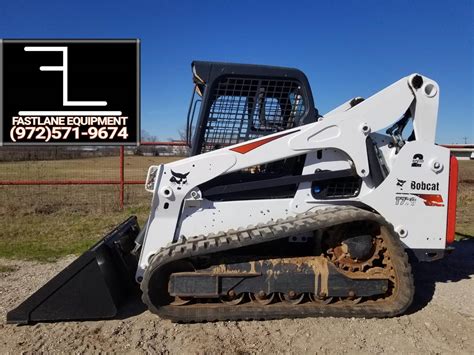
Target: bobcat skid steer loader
279, 212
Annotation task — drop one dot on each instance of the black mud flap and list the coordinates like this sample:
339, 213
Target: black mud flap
91, 287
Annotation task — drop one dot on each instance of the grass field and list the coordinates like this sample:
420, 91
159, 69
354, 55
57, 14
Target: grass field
47, 222
104, 168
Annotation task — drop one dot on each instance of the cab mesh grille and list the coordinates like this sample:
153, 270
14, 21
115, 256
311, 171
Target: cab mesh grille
244, 108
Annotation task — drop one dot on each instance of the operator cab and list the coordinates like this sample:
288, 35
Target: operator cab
238, 102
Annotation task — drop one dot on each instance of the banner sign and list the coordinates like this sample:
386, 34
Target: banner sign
83, 92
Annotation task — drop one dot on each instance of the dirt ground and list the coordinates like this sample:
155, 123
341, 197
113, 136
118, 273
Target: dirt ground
440, 321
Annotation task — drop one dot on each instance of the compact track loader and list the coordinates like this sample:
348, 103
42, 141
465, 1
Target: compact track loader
279, 211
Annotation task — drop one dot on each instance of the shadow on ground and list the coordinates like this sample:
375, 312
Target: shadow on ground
132, 307
457, 266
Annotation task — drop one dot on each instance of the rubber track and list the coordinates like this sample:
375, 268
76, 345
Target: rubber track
282, 228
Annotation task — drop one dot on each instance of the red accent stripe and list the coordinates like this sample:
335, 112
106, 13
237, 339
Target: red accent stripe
452, 199
431, 199
245, 148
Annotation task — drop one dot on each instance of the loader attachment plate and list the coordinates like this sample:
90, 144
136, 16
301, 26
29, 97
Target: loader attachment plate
92, 287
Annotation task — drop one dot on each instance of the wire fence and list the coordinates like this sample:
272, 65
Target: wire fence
82, 179
46, 180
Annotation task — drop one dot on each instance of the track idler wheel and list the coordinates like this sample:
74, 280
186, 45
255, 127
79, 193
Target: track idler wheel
181, 301
320, 299
232, 298
291, 297
262, 298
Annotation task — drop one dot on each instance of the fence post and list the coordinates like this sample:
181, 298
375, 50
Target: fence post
122, 176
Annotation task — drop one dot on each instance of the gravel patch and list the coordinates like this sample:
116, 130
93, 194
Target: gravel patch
440, 321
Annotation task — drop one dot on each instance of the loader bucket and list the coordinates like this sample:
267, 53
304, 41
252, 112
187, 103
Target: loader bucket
91, 287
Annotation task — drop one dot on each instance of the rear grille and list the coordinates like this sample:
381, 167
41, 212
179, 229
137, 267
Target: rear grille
336, 188
244, 108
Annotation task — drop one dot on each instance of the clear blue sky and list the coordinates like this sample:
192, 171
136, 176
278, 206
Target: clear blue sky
346, 48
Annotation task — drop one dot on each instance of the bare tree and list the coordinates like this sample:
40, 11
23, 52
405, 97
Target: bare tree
147, 136
182, 133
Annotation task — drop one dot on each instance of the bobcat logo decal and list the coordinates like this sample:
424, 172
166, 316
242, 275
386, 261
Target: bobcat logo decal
179, 179
400, 183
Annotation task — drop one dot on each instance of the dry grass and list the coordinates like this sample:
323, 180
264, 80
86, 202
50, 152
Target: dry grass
100, 168
47, 222
86, 198
465, 207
